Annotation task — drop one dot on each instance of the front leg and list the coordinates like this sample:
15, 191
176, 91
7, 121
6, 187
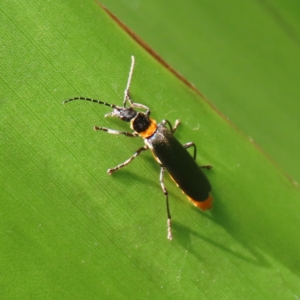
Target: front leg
113, 131
128, 161
172, 129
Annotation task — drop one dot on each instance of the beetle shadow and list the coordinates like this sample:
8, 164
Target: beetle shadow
256, 244
184, 236
259, 245
123, 175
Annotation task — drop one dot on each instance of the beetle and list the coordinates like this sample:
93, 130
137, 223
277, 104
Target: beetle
167, 150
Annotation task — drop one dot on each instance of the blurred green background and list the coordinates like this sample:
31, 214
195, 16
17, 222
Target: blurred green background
69, 231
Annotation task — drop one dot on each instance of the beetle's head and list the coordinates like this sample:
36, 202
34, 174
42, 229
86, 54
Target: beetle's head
124, 113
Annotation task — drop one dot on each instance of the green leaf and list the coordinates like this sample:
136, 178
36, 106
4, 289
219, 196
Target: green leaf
70, 231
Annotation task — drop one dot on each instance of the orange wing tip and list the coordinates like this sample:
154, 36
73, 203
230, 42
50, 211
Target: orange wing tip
204, 205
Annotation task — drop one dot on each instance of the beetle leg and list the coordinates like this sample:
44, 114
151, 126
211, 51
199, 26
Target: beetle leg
128, 161
172, 129
206, 166
191, 144
161, 179
177, 122
112, 131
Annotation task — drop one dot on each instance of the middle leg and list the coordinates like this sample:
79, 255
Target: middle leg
191, 144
